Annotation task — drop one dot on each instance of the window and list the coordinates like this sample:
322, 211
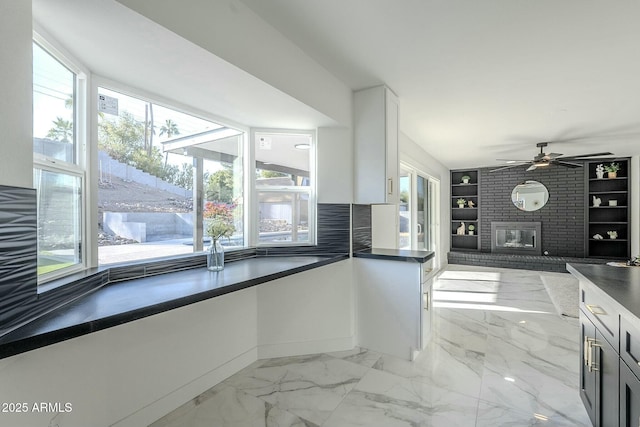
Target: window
418, 210
148, 156
58, 167
285, 184
161, 174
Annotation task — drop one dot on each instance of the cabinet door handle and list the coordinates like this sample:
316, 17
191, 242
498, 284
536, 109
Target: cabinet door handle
425, 298
585, 351
593, 366
390, 186
596, 309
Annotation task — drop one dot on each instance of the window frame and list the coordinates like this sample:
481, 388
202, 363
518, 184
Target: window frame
98, 82
77, 168
86, 158
311, 190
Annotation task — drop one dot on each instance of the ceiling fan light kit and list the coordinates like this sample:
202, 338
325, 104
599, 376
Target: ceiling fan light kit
543, 159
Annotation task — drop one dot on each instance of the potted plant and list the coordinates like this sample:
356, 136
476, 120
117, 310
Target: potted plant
466, 179
471, 228
612, 169
461, 202
218, 223
612, 234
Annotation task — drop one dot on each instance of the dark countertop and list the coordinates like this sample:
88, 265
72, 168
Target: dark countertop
622, 284
123, 302
395, 255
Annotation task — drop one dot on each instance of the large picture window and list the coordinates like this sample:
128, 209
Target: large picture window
162, 172
148, 156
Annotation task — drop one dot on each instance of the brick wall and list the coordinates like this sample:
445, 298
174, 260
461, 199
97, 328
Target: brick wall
562, 217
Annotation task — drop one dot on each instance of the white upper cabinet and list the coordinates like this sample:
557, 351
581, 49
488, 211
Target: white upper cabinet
376, 146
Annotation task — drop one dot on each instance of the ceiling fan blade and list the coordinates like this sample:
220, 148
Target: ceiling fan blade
507, 167
584, 156
552, 156
567, 164
532, 167
513, 160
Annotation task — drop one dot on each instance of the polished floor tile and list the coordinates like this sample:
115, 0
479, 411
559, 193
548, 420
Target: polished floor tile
500, 355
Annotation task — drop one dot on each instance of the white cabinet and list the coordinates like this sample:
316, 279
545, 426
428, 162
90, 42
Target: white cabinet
394, 313
376, 146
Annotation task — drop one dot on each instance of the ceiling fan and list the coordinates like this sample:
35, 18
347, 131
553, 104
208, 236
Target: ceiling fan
546, 159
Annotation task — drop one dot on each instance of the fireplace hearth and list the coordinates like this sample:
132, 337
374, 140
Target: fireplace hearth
516, 238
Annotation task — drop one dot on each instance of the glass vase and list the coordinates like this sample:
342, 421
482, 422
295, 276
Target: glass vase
215, 256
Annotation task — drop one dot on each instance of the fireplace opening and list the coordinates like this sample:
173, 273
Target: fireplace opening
516, 237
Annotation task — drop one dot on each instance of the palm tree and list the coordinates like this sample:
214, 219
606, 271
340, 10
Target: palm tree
62, 130
170, 128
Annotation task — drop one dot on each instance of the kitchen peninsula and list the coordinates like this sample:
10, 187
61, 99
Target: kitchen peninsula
609, 300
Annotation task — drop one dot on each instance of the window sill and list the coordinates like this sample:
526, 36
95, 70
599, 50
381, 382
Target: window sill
126, 301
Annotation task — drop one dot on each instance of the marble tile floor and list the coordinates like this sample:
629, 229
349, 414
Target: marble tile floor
500, 356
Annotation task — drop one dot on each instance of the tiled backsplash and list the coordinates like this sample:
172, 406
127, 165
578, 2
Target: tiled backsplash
361, 231
18, 254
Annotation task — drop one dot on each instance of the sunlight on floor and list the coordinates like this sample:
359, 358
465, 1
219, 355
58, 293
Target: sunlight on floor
473, 290
479, 297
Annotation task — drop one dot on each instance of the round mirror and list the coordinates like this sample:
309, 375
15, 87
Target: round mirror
529, 196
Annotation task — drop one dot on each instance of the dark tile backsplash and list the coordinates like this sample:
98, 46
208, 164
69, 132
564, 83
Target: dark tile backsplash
18, 254
361, 231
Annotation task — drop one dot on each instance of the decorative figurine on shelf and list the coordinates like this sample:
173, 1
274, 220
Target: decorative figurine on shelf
470, 203
461, 202
598, 237
600, 171
466, 179
612, 234
460, 230
596, 201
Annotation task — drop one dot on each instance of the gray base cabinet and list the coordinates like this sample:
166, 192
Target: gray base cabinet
610, 353
629, 398
598, 376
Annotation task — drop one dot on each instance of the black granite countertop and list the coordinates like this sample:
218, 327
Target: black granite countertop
123, 302
395, 255
622, 284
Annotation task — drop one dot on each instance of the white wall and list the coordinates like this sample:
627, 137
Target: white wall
415, 156
309, 312
335, 165
16, 135
231, 30
635, 205
133, 374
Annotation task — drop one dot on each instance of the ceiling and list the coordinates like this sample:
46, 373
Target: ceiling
477, 80
116, 43
480, 80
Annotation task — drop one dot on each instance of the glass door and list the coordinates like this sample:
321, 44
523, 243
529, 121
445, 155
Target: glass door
423, 231
418, 210
405, 240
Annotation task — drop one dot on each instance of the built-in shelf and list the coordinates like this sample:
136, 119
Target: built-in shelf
607, 192
468, 215
604, 218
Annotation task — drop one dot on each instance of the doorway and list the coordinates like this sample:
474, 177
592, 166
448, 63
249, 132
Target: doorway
418, 210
